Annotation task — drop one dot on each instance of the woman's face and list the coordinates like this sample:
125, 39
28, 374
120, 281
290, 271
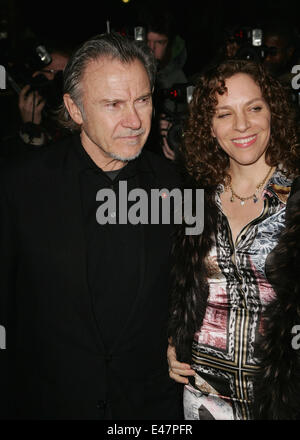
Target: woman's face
242, 119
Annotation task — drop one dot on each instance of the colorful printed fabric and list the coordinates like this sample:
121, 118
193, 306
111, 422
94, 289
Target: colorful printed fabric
223, 353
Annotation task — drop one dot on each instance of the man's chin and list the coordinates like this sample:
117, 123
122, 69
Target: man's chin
126, 157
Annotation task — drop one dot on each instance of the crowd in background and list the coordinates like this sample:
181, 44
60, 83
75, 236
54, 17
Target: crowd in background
232, 121
29, 117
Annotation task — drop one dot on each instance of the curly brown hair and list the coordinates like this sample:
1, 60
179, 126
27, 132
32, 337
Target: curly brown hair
204, 159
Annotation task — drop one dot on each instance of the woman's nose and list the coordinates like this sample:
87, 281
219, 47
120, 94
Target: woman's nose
241, 122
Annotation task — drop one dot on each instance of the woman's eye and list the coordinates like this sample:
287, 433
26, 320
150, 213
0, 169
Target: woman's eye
223, 115
257, 108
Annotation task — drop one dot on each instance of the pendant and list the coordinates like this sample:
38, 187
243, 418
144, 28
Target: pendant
255, 199
242, 202
232, 198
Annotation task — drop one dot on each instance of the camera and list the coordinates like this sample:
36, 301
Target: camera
180, 95
21, 73
36, 59
50, 90
250, 43
39, 58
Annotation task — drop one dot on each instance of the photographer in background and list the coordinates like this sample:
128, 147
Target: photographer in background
282, 38
273, 43
169, 50
37, 103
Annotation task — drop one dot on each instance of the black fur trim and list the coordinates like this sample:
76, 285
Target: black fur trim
277, 385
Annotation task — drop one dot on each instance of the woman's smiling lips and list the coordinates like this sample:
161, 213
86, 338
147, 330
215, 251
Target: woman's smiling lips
245, 141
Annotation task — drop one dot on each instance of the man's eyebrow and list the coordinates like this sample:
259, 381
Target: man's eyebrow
146, 95
246, 103
111, 100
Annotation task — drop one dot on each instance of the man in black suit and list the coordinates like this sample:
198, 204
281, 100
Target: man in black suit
84, 304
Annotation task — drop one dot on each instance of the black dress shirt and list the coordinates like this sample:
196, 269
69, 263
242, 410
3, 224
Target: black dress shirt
111, 248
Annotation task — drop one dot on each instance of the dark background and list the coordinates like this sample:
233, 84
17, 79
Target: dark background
200, 23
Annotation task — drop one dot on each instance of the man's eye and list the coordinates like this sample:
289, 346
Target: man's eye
145, 99
112, 105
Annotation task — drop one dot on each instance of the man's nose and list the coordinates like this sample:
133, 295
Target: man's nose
151, 45
131, 119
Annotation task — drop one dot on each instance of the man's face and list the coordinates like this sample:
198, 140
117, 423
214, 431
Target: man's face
158, 44
276, 63
117, 108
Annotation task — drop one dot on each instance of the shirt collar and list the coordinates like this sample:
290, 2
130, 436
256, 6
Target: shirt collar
279, 186
86, 162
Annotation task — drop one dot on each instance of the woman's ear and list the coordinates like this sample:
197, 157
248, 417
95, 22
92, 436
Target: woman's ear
73, 109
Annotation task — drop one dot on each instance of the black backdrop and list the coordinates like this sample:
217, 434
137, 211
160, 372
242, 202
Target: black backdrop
200, 23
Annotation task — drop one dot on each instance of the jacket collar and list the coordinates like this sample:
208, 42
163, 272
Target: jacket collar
137, 166
279, 186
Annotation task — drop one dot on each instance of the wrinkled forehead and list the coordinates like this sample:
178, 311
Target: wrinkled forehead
109, 65
112, 76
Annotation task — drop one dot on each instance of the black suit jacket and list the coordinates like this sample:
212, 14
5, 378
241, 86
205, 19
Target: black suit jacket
55, 365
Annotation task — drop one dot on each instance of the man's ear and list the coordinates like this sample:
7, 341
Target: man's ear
73, 109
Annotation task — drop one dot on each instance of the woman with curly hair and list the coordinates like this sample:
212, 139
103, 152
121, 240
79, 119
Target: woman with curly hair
231, 323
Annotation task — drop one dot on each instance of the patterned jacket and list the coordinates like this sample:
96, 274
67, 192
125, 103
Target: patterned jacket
277, 384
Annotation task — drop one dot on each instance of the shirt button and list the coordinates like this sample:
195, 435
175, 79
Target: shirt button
243, 237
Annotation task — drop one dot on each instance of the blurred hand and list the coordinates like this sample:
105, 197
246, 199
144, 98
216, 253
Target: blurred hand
164, 126
28, 101
178, 369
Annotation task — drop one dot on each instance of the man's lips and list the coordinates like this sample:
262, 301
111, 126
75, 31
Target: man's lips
245, 141
131, 135
131, 139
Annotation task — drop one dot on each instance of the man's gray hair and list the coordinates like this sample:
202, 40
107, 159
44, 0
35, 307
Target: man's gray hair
112, 46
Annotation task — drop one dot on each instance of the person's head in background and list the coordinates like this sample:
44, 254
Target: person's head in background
160, 34
58, 63
60, 54
280, 39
